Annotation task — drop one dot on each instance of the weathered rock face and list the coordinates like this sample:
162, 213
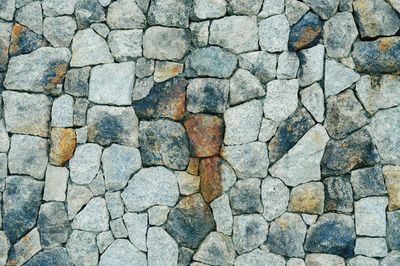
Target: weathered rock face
217, 248
306, 32
190, 221
63, 142
24, 41
210, 178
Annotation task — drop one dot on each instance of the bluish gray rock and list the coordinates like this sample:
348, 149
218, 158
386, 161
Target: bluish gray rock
53, 224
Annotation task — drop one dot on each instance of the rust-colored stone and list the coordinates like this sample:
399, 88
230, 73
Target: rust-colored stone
307, 198
205, 134
307, 36
193, 167
24, 41
210, 178
63, 141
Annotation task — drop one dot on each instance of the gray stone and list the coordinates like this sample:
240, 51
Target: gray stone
307, 198
281, 100
82, 248
244, 87
248, 160
274, 33
275, 198
62, 112
370, 216
261, 64
30, 16
286, 235
242, 122
88, 12
53, 224
31, 163
188, 184
355, 151
216, 249
3, 171
378, 93
338, 194
288, 65
371, 246
249, 232
392, 258
236, 33
185, 256
77, 197
375, 18
338, 77
125, 45
125, 14
59, 31
118, 228
103, 240
158, 215
53, 8
144, 190
311, 65
55, 256
340, 32
101, 29
302, 163
81, 134
190, 221
244, 7
26, 113
324, 8
338, 232
94, 217
164, 142
344, 114
79, 114
324, 259
5, 34
21, 201
395, 4
270, 8
295, 262
85, 163
40, 71
114, 203
207, 95
368, 182
164, 43
56, 183
379, 56
200, 31
173, 13
313, 100
122, 252
260, 257
295, 10
7, 10
210, 61
393, 230
206, 9
245, 197
267, 130
4, 138
25, 248
89, 48
383, 122
137, 224
162, 248
77, 81
363, 261
112, 83
222, 214
108, 125
144, 67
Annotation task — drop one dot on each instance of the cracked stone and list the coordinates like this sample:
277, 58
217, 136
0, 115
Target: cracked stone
308, 198
85, 163
216, 249
94, 217
260, 64
125, 14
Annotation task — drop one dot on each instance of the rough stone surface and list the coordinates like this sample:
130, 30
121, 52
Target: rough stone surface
368, 182
244, 87
370, 216
369, 246
313, 100
204, 9
338, 194
324, 8
136, 225
261, 64
174, 13
275, 198
54, 256
274, 33
59, 31
222, 214
338, 77
306, 32
125, 14
25, 248
245, 197
63, 142
162, 248
259, 257
55, 183
307, 198
311, 65
53, 224
393, 230
85, 163
94, 217
82, 248
216, 249
391, 175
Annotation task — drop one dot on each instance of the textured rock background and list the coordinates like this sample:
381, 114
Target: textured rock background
200, 132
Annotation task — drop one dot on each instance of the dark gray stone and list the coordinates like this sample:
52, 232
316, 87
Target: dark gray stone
338, 194
355, 151
21, 201
306, 32
324, 8
190, 221
55, 256
368, 182
333, 234
173, 13
77, 81
79, 114
245, 197
53, 224
88, 12
393, 230
24, 41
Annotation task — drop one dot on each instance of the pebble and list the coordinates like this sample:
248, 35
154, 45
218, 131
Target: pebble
340, 32
311, 65
248, 160
281, 99
85, 163
25, 248
324, 8
368, 182
391, 175
125, 45
302, 163
33, 163
236, 33
164, 142
338, 194
308, 198
55, 185
125, 14
370, 246
137, 224
274, 33
82, 248
53, 224
94, 216
206, 9
222, 213
313, 100
306, 32
338, 77
245, 197
216, 249
249, 232
173, 13
144, 190
286, 235
260, 257
370, 217
122, 252
162, 248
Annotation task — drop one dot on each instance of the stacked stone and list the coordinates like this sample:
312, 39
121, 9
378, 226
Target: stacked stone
199, 132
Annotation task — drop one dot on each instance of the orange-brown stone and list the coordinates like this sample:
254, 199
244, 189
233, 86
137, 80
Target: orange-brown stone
205, 134
63, 142
193, 167
210, 178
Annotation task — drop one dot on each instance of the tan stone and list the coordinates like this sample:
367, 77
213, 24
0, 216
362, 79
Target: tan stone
392, 180
308, 198
210, 178
63, 141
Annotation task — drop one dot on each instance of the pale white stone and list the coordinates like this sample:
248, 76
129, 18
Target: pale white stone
162, 248
222, 214
55, 183
136, 224
281, 100
313, 100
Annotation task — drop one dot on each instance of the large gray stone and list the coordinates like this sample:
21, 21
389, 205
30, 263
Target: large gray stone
371, 246
173, 13
324, 8
53, 224
206, 9
249, 232
125, 14
30, 16
4, 248
222, 214
54, 8
125, 45
82, 248
260, 257
88, 12
216, 249
338, 194
370, 216
313, 100
94, 217
25, 248
55, 256
7, 10
136, 224
274, 33
261, 64
149, 187
59, 31
244, 87
368, 182
245, 197
311, 65
162, 248
56, 183
275, 198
